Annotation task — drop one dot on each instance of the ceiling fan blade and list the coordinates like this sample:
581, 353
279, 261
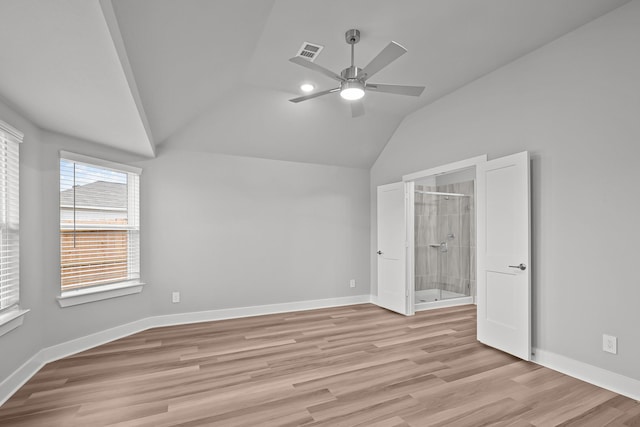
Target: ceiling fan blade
395, 89
314, 95
357, 108
389, 54
315, 67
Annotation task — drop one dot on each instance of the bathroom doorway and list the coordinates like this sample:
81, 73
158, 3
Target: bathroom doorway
444, 267
442, 248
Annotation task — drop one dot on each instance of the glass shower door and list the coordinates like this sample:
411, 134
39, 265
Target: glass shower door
443, 242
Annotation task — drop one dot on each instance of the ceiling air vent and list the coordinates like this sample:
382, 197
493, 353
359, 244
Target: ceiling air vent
309, 51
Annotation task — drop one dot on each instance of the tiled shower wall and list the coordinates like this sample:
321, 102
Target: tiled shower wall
452, 221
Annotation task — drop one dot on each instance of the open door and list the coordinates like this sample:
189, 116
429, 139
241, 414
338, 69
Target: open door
392, 248
504, 259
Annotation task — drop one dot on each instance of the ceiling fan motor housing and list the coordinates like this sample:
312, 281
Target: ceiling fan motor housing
353, 73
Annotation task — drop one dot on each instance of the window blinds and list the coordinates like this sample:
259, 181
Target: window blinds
9, 216
99, 222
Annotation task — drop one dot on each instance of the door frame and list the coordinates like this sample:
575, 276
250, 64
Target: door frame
410, 212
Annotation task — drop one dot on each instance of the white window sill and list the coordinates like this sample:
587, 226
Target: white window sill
11, 320
98, 293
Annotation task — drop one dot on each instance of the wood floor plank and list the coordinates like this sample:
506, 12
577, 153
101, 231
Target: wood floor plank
357, 365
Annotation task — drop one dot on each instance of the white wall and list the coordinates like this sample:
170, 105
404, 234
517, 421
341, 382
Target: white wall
230, 231
575, 105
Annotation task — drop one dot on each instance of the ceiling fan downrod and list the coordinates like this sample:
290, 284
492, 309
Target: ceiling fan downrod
352, 37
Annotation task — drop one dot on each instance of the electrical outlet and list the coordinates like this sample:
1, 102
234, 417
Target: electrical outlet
352, 283
609, 344
175, 297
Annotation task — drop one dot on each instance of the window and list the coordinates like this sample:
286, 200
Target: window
99, 224
10, 312
9, 218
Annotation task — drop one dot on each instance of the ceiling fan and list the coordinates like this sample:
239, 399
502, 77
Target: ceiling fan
353, 80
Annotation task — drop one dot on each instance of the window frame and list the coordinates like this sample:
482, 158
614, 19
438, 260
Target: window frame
91, 293
12, 315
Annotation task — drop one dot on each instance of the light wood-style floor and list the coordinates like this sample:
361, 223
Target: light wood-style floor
347, 366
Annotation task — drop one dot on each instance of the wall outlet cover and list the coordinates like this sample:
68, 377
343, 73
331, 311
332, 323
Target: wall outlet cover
175, 297
609, 344
352, 283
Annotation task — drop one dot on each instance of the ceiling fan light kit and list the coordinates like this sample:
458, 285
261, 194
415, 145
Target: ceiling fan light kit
353, 80
351, 90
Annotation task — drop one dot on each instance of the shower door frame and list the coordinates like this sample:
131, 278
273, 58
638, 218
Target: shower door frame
410, 220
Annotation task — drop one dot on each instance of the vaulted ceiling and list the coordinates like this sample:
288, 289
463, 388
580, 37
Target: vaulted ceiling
215, 76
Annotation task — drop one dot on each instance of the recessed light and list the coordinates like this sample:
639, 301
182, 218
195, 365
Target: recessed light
306, 87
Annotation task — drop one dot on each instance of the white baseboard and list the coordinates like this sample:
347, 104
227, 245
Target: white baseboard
16, 380
258, 310
58, 351
617, 383
49, 354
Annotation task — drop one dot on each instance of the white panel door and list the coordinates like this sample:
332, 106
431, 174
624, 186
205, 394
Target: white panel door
392, 287
504, 270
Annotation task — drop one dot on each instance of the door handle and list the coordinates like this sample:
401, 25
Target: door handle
521, 266
379, 252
